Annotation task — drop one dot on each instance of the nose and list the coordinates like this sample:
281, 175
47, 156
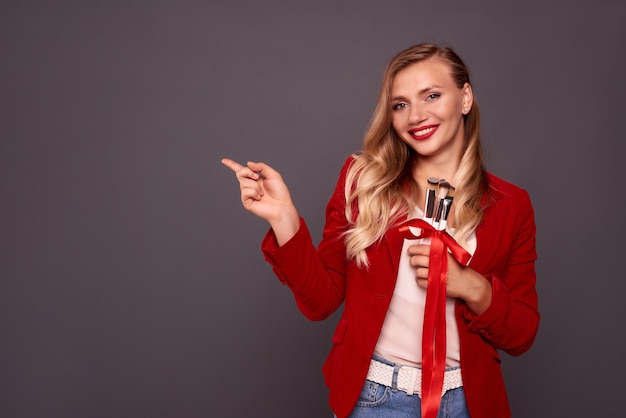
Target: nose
416, 114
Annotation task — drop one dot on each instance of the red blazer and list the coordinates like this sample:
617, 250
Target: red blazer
322, 279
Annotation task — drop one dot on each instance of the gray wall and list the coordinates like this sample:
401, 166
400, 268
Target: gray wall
132, 284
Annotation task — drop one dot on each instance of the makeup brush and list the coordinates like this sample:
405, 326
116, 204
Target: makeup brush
429, 206
444, 186
447, 206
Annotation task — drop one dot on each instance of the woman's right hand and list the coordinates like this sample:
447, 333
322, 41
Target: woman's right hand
265, 194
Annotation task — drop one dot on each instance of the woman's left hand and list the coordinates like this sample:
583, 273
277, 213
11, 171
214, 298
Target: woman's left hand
461, 282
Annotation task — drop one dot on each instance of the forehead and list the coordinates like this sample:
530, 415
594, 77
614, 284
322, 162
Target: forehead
430, 72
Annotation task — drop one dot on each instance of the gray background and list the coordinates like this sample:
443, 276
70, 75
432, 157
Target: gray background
132, 284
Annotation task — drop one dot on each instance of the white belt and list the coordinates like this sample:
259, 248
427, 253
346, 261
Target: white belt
410, 378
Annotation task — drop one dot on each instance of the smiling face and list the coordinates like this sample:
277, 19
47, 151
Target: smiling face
427, 109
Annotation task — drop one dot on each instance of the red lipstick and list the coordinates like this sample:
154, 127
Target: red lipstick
423, 132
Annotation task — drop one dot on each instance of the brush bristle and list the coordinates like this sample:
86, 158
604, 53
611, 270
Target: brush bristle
444, 187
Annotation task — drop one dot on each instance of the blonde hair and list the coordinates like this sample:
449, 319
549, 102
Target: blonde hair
379, 183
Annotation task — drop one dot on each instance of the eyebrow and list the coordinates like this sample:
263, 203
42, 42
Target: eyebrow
422, 91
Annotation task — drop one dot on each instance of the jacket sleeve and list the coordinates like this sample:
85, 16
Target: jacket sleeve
512, 320
317, 277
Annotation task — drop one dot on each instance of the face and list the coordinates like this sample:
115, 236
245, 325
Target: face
428, 108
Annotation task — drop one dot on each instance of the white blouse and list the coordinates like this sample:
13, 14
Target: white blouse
400, 339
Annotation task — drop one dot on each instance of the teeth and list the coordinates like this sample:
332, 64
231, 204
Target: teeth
424, 131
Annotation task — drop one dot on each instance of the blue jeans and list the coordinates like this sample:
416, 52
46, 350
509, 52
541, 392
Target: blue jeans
379, 401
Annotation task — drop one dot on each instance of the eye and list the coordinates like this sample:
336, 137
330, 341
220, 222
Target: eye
433, 96
399, 106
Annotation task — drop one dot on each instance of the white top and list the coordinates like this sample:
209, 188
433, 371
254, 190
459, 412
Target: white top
400, 339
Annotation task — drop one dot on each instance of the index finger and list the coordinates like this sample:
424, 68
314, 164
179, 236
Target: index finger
233, 165
419, 249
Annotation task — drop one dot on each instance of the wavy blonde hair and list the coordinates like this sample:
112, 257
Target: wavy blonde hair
380, 189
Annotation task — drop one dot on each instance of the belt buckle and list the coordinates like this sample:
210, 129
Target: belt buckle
413, 381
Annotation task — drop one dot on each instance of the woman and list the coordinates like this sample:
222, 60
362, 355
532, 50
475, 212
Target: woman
426, 124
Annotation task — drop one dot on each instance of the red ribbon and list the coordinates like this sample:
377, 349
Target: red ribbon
434, 331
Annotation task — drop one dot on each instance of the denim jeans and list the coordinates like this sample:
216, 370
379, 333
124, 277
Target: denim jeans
379, 401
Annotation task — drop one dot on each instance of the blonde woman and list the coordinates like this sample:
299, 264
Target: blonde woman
426, 124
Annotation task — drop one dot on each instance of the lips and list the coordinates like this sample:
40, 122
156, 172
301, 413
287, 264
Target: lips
423, 132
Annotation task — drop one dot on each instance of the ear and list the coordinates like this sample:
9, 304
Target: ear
468, 98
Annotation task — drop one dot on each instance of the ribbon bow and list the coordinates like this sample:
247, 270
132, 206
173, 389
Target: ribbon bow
434, 331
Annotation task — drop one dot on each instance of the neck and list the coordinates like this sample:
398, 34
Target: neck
425, 168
